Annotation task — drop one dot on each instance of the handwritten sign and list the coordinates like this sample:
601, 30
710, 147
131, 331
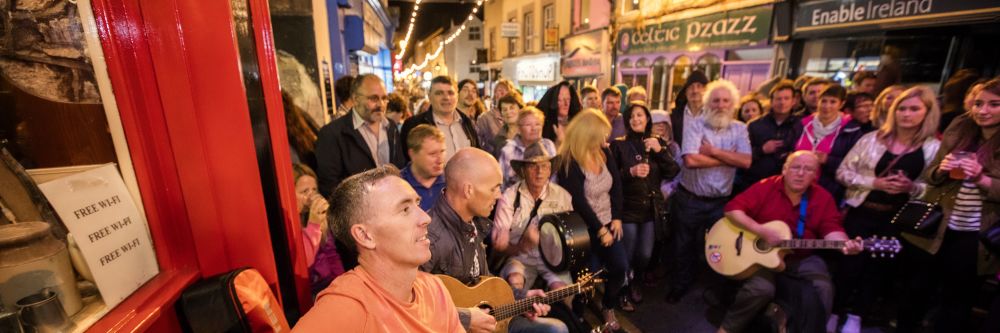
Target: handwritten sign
112, 234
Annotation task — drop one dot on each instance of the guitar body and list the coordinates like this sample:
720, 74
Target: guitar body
490, 292
737, 253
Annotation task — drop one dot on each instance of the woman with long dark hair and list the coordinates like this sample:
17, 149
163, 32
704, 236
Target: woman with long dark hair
965, 177
560, 103
644, 162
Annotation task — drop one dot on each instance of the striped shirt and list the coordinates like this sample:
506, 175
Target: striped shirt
968, 211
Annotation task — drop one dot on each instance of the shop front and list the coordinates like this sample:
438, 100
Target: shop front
586, 59
367, 35
914, 41
731, 44
534, 74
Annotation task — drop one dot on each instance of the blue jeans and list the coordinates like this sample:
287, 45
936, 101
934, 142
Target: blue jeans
521, 324
615, 265
638, 241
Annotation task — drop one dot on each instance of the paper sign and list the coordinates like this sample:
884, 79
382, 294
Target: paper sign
113, 236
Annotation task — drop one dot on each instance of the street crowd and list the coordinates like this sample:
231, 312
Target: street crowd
833, 161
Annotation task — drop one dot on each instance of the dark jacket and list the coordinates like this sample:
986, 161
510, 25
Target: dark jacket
341, 151
452, 253
427, 117
642, 195
849, 135
549, 104
764, 165
677, 116
572, 180
940, 185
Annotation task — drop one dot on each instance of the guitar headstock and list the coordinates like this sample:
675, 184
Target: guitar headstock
880, 247
587, 281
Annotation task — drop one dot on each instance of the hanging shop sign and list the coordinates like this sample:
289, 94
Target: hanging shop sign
829, 14
581, 54
551, 37
734, 28
113, 236
539, 70
510, 30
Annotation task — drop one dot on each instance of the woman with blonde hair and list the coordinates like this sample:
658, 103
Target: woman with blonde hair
529, 131
965, 178
589, 173
883, 102
883, 171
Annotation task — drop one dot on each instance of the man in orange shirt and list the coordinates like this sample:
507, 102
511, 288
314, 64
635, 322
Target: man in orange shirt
379, 214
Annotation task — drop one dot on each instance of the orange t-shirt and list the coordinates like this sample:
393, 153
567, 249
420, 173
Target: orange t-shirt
354, 302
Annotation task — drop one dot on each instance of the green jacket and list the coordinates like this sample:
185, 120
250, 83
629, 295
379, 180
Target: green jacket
940, 185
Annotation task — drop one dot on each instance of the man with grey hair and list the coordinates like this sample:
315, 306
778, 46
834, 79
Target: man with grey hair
713, 147
378, 214
361, 140
459, 226
783, 198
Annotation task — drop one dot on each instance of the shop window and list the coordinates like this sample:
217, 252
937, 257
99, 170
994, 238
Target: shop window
549, 16
529, 32
679, 74
642, 63
898, 59
627, 63
710, 64
660, 77
59, 117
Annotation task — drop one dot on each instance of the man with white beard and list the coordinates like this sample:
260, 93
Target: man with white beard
712, 149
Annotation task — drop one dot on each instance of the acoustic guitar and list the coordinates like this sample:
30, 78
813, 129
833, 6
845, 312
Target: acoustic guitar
737, 253
495, 294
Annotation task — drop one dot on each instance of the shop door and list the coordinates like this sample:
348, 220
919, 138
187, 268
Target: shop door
747, 76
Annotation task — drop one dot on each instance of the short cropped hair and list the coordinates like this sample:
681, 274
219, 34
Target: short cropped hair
468, 81
396, 104
415, 139
814, 81
610, 92
860, 76
588, 90
342, 88
442, 79
349, 202
782, 85
360, 81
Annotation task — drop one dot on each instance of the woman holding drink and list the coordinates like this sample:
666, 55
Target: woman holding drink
965, 179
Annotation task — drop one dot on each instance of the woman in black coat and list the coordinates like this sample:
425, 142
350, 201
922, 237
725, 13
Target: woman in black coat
644, 162
560, 103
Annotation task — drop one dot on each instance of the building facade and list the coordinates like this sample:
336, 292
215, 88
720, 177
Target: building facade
587, 50
523, 42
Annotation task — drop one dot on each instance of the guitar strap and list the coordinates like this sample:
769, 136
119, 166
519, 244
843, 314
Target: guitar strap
801, 228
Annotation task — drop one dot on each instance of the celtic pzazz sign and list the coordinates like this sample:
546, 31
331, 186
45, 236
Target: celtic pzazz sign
741, 27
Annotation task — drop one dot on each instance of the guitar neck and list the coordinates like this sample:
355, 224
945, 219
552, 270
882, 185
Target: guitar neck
820, 244
513, 309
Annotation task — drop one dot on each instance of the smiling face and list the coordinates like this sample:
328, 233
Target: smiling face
564, 101
398, 227
509, 112
830, 105
468, 95
442, 97
910, 113
986, 109
530, 129
370, 101
638, 120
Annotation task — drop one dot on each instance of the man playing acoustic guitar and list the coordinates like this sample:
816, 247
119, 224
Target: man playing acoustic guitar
457, 231
779, 198
379, 214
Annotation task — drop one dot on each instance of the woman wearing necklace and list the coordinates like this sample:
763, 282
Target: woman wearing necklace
881, 173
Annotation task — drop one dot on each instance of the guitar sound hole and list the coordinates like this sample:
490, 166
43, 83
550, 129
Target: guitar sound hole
761, 245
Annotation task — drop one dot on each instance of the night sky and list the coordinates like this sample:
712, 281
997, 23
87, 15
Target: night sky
431, 17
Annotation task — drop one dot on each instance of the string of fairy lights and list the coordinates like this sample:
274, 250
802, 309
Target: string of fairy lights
432, 55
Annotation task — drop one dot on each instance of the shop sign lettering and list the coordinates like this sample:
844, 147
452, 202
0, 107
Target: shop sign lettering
742, 27
581, 54
818, 14
113, 236
540, 70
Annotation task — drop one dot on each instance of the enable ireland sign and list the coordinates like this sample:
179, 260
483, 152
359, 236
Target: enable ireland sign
838, 13
734, 28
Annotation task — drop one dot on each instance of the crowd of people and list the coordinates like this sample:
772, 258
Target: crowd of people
832, 162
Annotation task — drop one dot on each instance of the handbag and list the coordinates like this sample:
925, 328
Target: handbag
919, 217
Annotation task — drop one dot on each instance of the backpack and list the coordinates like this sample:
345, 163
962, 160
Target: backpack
239, 301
